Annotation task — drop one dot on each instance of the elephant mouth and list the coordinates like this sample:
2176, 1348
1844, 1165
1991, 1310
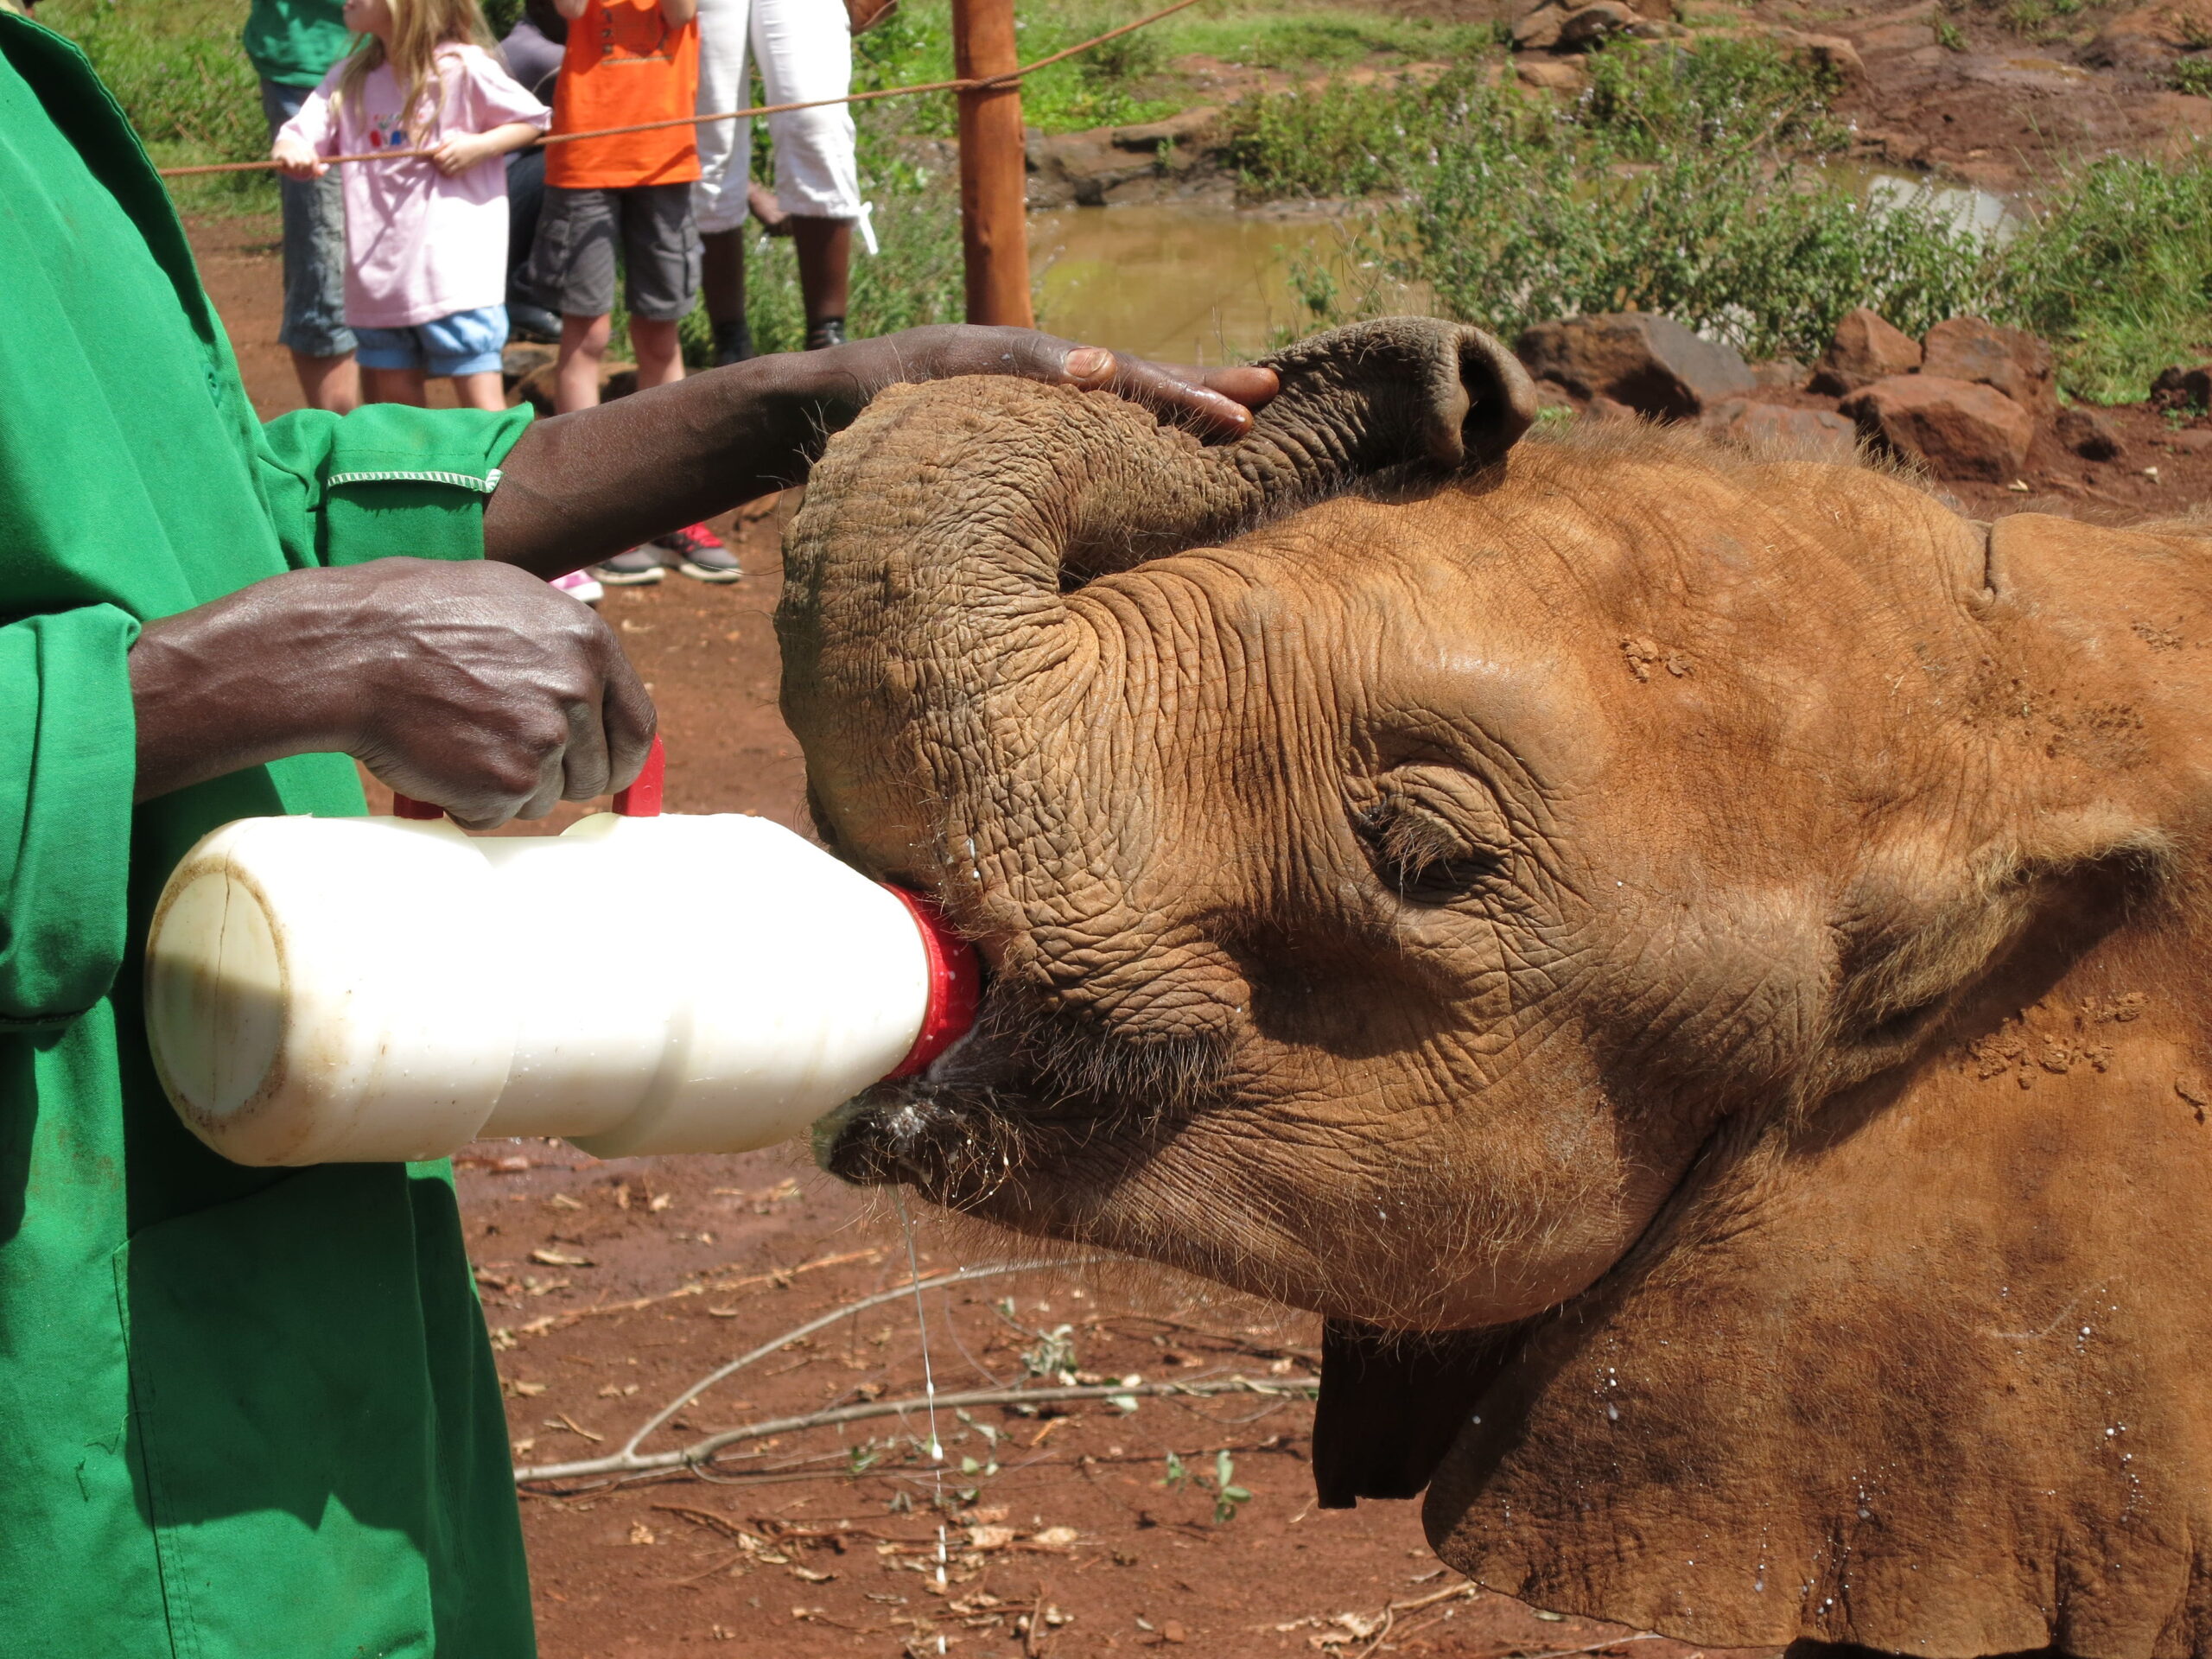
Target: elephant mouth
1032, 1110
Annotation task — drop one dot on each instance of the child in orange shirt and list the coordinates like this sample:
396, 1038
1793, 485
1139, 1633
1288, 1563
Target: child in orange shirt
628, 62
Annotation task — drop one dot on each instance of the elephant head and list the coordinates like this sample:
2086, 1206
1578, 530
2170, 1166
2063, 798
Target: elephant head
1693, 964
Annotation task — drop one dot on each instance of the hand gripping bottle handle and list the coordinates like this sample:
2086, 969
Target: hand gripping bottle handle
640, 800
324, 990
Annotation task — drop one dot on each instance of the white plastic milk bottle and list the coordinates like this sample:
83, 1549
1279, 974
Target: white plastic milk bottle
355, 990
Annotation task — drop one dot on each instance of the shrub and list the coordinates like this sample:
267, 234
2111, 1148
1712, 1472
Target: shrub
2115, 271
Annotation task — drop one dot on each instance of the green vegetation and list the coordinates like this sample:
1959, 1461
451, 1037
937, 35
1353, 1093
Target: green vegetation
1690, 184
177, 69
1345, 139
2192, 75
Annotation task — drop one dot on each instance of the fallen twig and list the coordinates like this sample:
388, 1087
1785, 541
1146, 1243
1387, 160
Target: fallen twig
701, 1452
962, 1276
702, 1287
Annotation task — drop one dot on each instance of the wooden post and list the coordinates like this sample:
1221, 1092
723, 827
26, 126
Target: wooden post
994, 170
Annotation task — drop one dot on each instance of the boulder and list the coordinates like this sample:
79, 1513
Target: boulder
1960, 428
1553, 74
2016, 363
2151, 37
1865, 349
1587, 24
1650, 363
1829, 52
1775, 429
537, 388
1153, 137
2087, 433
1537, 30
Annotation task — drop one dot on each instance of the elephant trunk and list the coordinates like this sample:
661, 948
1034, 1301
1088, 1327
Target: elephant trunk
927, 642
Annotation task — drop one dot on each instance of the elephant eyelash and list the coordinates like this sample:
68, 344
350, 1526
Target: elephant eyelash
1426, 856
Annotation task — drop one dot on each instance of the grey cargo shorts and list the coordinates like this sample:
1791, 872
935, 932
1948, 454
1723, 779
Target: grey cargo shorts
573, 261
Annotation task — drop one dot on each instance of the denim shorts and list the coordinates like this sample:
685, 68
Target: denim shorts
315, 246
466, 342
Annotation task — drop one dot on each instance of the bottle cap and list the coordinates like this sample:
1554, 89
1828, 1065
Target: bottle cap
956, 984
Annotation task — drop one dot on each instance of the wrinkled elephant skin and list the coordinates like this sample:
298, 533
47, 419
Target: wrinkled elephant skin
1717, 945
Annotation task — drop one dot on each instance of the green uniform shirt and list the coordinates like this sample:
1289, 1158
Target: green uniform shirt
293, 42
242, 1411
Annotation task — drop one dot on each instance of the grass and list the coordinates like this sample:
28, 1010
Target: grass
1688, 184
176, 67
1347, 139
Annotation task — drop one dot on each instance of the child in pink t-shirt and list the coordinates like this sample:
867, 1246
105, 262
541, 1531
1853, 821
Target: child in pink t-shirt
426, 239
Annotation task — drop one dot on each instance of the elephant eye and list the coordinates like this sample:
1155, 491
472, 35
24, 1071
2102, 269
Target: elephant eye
1435, 832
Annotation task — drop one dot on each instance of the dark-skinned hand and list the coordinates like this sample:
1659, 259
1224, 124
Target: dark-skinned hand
480, 689
475, 685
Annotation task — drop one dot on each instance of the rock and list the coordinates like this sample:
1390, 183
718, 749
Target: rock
1781, 374
1961, 428
2151, 37
2191, 440
1865, 349
1085, 168
1650, 363
1156, 136
1834, 54
616, 379
1652, 28
1776, 430
1552, 74
2183, 388
2016, 363
525, 357
1592, 23
1538, 30
2087, 433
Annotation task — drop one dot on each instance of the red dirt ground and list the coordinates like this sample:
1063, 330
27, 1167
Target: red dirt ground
785, 1550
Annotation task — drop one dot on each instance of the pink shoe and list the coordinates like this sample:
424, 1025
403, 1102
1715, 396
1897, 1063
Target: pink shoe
580, 584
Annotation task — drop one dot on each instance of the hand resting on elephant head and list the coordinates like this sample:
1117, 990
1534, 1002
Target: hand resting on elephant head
1693, 962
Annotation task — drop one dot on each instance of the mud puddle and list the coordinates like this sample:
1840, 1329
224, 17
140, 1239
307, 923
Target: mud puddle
1198, 282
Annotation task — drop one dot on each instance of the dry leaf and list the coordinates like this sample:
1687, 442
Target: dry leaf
1056, 1537
563, 1201
527, 1390
523, 1448
660, 1201
555, 1259
989, 1537
641, 1533
811, 1576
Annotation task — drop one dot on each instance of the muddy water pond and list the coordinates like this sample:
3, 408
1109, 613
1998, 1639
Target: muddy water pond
1175, 280
1197, 283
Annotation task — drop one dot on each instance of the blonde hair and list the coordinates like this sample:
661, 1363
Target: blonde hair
419, 28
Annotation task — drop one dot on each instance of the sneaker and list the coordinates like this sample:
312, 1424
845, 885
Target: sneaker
733, 343
580, 584
534, 322
639, 568
702, 555
824, 333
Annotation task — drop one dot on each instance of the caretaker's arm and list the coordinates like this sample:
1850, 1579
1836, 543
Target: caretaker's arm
581, 487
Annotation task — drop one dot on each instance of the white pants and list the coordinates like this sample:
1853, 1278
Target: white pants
804, 48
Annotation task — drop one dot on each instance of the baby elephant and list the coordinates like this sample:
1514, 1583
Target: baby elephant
1696, 964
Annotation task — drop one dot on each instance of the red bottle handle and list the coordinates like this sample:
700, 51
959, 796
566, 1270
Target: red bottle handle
640, 800
956, 984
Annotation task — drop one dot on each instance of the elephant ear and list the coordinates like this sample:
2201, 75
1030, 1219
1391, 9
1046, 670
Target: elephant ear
1917, 1365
